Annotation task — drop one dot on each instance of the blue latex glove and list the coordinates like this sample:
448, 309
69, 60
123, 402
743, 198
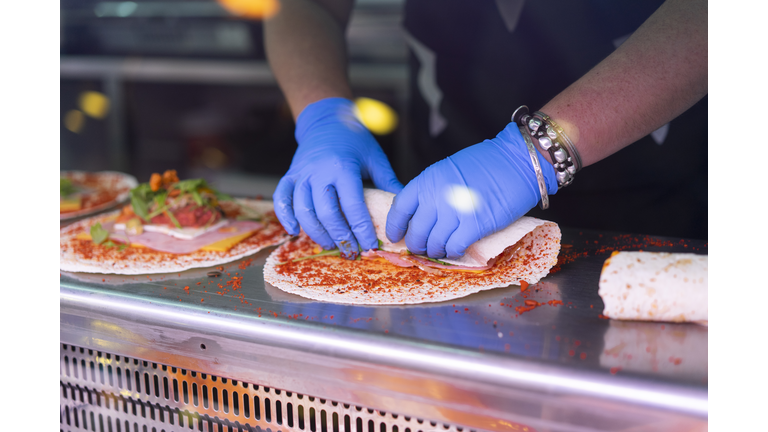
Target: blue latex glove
336, 152
465, 197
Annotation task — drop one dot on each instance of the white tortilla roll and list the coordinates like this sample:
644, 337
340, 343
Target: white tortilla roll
654, 286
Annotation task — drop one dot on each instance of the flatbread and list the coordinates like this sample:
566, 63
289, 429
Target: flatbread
105, 189
528, 249
84, 256
655, 286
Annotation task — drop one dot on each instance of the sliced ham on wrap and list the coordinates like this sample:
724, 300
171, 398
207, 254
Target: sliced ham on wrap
524, 251
655, 286
153, 252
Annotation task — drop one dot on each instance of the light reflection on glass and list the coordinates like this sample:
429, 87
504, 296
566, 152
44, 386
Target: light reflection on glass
254, 9
377, 116
74, 120
94, 104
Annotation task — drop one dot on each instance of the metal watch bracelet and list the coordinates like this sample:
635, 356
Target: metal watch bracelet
544, 203
552, 139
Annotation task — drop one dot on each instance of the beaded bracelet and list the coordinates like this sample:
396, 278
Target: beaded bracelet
551, 138
544, 204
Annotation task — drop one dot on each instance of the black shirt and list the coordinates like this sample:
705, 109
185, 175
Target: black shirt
474, 62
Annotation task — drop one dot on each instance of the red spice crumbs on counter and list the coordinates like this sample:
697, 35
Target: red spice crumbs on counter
571, 353
199, 283
244, 264
615, 370
583, 355
523, 286
601, 316
201, 300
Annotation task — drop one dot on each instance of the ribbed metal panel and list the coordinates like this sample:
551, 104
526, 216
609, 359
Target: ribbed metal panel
108, 392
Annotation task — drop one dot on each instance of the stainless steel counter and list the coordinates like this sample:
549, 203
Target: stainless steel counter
470, 363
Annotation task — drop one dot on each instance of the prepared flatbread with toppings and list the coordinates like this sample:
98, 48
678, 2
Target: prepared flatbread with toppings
521, 253
170, 226
83, 193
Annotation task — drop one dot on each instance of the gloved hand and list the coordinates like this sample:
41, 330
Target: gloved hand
467, 196
336, 152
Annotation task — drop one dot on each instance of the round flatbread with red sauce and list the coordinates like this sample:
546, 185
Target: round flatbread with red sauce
84, 193
521, 253
150, 252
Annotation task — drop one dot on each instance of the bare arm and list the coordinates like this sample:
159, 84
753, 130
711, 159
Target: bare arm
653, 77
307, 51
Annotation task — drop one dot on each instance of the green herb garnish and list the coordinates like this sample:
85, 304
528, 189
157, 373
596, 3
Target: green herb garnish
99, 234
435, 260
173, 219
381, 243
332, 252
429, 259
147, 203
66, 187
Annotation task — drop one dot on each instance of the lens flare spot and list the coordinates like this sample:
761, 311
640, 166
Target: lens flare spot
377, 116
213, 158
74, 120
254, 9
94, 104
462, 198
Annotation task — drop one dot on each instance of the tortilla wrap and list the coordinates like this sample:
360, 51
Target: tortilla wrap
78, 255
655, 286
526, 251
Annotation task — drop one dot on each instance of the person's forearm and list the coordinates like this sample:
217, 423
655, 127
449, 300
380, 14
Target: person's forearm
656, 75
306, 49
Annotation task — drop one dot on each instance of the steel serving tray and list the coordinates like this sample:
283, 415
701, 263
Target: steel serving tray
474, 362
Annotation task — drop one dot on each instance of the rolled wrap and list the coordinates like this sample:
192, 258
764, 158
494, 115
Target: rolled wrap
655, 286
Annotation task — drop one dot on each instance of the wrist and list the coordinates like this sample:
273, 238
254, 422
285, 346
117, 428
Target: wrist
324, 112
550, 138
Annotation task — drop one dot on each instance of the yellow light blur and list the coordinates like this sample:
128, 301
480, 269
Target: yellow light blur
74, 120
213, 158
255, 9
377, 116
94, 104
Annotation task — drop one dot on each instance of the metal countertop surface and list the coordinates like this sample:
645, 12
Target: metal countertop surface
479, 344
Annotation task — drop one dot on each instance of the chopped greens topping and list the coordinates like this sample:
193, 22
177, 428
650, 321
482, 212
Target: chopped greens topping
67, 188
435, 260
165, 193
381, 243
332, 252
98, 234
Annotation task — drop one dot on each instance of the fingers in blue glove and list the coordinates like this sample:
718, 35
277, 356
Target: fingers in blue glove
447, 222
403, 207
283, 200
460, 240
419, 229
329, 214
304, 208
352, 199
383, 176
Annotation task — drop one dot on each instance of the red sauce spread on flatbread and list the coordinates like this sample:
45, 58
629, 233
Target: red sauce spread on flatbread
104, 189
367, 275
87, 251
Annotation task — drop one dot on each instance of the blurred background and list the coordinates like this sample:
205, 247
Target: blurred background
153, 85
